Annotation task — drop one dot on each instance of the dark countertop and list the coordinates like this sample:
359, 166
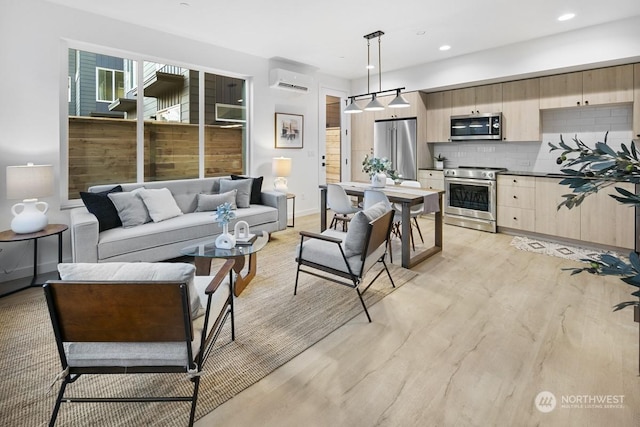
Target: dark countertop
534, 174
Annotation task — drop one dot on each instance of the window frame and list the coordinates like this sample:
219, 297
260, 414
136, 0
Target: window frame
114, 89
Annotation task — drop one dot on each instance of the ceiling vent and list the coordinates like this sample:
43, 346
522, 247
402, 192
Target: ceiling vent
289, 80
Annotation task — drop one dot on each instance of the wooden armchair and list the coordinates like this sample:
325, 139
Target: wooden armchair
336, 256
124, 326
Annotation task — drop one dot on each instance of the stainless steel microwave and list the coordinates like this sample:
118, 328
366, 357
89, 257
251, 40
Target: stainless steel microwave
476, 126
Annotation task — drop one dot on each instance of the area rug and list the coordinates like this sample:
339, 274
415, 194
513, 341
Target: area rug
560, 250
272, 327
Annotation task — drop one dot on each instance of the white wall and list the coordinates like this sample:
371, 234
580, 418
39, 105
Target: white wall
33, 36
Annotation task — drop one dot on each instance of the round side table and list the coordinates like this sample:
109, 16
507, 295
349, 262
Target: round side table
49, 230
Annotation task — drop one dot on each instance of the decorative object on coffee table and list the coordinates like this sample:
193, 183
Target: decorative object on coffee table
224, 214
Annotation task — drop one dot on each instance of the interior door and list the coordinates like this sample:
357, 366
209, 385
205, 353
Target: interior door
333, 144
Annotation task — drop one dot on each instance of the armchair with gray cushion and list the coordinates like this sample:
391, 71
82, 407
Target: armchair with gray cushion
135, 318
346, 257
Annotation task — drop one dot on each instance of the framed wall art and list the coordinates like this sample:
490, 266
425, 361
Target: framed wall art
289, 130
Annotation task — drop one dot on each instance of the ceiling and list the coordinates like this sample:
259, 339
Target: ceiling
328, 35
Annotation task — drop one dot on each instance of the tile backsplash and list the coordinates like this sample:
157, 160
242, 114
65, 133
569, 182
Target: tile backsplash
589, 124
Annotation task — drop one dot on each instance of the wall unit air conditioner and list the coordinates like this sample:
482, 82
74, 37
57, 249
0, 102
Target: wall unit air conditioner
289, 80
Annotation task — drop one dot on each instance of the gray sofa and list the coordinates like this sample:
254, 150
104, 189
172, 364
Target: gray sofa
158, 241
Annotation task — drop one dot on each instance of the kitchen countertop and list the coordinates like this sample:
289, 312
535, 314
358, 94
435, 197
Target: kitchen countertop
534, 174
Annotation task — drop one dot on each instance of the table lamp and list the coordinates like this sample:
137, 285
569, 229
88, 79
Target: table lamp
28, 182
281, 168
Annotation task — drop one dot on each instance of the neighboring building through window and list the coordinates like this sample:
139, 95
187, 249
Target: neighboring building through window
103, 142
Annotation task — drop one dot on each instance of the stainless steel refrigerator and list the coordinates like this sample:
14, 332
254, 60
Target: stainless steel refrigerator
396, 140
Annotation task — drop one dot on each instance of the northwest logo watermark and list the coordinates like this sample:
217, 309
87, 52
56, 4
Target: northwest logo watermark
546, 401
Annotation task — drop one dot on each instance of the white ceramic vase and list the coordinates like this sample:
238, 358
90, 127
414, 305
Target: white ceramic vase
225, 240
30, 219
379, 180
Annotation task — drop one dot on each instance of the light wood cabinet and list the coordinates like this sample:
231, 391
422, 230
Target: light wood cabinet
521, 110
599, 219
605, 221
549, 219
361, 142
477, 100
431, 179
636, 101
609, 85
516, 202
438, 116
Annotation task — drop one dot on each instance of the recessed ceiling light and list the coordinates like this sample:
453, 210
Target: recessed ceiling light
445, 47
566, 16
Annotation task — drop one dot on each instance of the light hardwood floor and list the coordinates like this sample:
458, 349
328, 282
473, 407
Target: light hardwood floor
471, 341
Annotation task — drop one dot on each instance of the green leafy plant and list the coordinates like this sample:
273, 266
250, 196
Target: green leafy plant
589, 170
373, 165
440, 158
224, 214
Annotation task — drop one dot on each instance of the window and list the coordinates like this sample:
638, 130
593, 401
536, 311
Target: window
109, 85
105, 145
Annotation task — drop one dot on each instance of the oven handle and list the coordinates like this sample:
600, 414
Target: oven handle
478, 182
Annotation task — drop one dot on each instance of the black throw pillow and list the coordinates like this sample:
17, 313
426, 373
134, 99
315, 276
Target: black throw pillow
256, 188
102, 207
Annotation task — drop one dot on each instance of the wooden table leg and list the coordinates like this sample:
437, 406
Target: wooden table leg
242, 281
203, 265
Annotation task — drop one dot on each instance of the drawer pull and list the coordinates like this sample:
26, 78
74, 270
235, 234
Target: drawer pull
515, 197
515, 218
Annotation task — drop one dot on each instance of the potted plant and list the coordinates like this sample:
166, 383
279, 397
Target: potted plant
588, 170
439, 161
378, 169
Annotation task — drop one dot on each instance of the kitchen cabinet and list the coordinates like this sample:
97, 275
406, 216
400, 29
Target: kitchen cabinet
599, 219
549, 219
516, 202
521, 110
477, 100
361, 142
636, 101
431, 179
609, 85
438, 116
605, 221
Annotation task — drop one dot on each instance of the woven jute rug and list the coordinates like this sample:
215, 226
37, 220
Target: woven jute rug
560, 250
272, 327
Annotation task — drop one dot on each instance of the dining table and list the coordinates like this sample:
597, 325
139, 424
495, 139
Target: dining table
432, 201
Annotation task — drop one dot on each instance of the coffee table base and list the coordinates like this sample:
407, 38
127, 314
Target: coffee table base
203, 268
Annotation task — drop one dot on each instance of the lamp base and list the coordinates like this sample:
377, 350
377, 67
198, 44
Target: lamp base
280, 184
30, 219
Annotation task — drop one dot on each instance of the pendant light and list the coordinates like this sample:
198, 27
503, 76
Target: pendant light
375, 105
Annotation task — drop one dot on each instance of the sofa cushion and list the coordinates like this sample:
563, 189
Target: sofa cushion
102, 207
160, 204
243, 196
136, 271
256, 188
357, 232
210, 202
131, 208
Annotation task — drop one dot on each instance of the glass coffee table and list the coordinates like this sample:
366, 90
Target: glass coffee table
205, 251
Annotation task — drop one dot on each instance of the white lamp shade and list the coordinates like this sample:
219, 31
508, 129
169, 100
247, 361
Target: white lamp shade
29, 181
281, 166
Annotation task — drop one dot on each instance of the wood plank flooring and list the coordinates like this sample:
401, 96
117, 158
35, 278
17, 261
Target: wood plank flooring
469, 342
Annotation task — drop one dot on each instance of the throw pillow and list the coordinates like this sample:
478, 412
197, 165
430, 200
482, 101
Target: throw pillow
136, 271
243, 196
102, 207
256, 188
130, 207
357, 232
210, 202
160, 204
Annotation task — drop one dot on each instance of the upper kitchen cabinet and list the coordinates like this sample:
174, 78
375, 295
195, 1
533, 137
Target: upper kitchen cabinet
609, 85
416, 109
521, 110
438, 116
636, 100
477, 100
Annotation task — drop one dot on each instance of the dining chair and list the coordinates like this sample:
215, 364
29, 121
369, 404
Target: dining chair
340, 203
416, 211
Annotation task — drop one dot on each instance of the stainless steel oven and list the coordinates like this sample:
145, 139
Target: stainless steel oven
471, 197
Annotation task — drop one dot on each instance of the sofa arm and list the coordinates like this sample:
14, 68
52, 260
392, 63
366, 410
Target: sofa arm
277, 200
84, 235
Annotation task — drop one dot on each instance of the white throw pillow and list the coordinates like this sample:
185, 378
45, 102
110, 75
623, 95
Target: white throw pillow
160, 204
136, 271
